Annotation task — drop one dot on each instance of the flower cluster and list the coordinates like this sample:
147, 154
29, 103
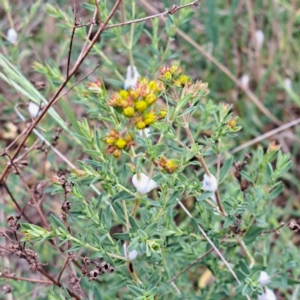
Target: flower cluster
137, 104
116, 142
168, 165
173, 76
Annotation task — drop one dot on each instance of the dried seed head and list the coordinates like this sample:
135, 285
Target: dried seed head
294, 226
7, 289
73, 280
86, 261
94, 274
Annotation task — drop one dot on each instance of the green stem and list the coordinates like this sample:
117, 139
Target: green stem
126, 190
96, 249
245, 249
135, 206
126, 215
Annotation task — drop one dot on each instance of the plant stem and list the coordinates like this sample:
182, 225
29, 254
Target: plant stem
248, 254
135, 206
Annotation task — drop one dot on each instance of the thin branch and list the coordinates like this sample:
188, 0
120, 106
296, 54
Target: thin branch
27, 279
62, 270
191, 265
266, 135
170, 11
282, 224
15, 202
71, 41
98, 11
78, 82
31, 196
57, 283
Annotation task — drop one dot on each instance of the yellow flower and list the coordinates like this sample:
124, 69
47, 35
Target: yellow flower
152, 85
162, 113
140, 125
110, 140
173, 69
170, 166
117, 153
273, 147
120, 143
150, 99
168, 75
128, 111
128, 137
133, 94
149, 118
123, 94
140, 106
232, 123
183, 79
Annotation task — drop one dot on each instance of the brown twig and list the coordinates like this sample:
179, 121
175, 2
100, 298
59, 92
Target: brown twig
98, 11
15, 202
71, 41
170, 11
57, 283
191, 265
62, 270
26, 279
276, 230
31, 195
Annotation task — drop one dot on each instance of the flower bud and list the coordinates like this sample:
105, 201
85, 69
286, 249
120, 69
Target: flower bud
132, 76
150, 99
140, 106
33, 109
143, 183
209, 183
120, 143
131, 255
124, 94
140, 125
145, 133
168, 75
149, 118
11, 35
267, 295
183, 79
173, 69
264, 278
128, 112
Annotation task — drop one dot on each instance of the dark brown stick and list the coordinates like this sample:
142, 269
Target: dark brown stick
190, 265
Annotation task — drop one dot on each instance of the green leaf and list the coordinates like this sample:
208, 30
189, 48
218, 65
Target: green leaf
55, 222
122, 236
133, 224
136, 291
277, 191
225, 169
252, 234
123, 195
151, 228
204, 196
117, 206
137, 32
142, 234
